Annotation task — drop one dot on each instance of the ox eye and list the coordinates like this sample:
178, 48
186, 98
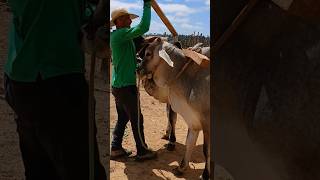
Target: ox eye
148, 54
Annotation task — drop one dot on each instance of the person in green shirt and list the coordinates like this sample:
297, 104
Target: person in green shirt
46, 87
123, 81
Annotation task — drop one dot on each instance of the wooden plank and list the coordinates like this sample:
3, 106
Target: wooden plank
200, 59
164, 19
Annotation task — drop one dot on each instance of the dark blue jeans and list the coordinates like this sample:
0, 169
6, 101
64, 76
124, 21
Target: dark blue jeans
126, 99
52, 123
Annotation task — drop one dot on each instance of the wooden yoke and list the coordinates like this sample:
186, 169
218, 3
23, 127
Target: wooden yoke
202, 60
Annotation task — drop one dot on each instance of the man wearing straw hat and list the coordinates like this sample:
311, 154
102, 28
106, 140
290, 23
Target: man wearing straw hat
123, 81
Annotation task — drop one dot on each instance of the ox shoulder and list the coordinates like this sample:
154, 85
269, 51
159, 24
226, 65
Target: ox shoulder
200, 59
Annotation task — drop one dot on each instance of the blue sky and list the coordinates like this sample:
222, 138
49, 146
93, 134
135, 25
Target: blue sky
186, 16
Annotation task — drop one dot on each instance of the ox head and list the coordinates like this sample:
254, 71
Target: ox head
156, 63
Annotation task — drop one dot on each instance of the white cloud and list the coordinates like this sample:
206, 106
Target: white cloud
177, 9
187, 28
158, 27
178, 20
207, 2
121, 4
199, 23
180, 15
182, 26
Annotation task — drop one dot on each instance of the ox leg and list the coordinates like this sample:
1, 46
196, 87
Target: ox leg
172, 136
190, 143
170, 114
170, 131
206, 151
172, 117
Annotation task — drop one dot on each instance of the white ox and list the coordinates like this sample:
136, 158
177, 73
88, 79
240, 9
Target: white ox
188, 93
172, 116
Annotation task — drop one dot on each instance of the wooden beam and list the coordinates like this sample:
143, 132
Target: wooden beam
163, 17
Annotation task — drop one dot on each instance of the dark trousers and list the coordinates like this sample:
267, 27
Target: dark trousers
52, 123
127, 108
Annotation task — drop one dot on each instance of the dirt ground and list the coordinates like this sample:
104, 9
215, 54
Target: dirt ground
154, 127
11, 167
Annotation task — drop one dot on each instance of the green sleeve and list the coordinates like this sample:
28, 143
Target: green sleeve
141, 28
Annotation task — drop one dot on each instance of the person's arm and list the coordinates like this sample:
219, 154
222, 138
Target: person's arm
142, 27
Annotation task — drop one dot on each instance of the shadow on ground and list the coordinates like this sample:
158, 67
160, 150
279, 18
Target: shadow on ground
162, 167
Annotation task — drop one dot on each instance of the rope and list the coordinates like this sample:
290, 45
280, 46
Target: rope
183, 69
138, 105
91, 115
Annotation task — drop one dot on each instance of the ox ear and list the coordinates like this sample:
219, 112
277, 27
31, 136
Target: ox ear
164, 55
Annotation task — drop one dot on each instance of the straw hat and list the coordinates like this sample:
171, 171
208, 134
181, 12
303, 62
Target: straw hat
120, 12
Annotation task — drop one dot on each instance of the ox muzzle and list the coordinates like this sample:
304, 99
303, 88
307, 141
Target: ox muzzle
142, 70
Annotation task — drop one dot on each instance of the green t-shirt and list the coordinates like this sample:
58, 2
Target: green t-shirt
124, 52
44, 38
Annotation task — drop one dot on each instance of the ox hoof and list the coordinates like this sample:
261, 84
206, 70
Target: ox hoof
165, 137
177, 171
203, 178
170, 146
205, 175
